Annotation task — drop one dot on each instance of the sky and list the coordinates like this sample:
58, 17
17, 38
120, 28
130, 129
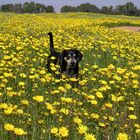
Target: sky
57, 4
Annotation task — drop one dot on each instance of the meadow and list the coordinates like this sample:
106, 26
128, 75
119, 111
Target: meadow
36, 106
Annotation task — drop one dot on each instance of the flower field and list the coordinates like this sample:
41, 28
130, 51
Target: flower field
36, 106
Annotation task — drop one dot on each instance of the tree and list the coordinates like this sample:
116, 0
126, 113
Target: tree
37, 8
130, 9
107, 10
7, 8
120, 9
18, 8
49, 9
87, 7
40, 8
127, 9
138, 12
68, 9
29, 7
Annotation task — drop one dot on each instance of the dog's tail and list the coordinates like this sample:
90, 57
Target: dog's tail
51, 42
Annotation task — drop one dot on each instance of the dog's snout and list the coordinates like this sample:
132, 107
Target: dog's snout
72, 63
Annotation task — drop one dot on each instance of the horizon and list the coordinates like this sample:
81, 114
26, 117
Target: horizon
58, 4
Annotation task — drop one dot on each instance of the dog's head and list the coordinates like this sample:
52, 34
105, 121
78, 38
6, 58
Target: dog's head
71, 58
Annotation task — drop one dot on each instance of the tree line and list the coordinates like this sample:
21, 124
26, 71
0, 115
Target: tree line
31, 7
127, 9
27, 7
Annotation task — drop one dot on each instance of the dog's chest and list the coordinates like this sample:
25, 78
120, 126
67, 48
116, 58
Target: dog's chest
69, 73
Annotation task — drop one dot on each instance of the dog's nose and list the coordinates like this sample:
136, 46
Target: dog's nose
72, 63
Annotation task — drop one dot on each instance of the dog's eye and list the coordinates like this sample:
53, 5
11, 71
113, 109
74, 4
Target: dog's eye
75, 57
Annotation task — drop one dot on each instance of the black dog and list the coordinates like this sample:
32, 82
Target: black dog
68, 60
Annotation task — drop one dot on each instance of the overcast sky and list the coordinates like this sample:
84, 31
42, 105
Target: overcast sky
57, 4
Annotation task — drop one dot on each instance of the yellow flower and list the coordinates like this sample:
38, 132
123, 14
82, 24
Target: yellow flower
89, 137
49, 106
121, 71
73, 79
62, 89
38, 98
19, 131
63, 132
82, 129
53, 58
68, 86
99, 95
93, 79
131, 108
55, 92
122, 136
83, 82
111, 67
77, 120
136, 125
111, 118
64, 111
53, 111
53, 68
103, 82
132, 117
25, 102
67, 100
116, 77
8, 111
93, 102
3, 105
54, 130
109, 105
114, 98
42, 72
101, 124
9, 127
138, 131
23, 75
19, 111
94, 116
21, 83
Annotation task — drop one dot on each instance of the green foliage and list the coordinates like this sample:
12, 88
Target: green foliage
27, 7
68, 9
127, 9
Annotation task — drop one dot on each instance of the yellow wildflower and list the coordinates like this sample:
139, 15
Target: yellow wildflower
63, 132
54, 130
9, 127
122, 136
19, 131
82, 129
99, 95
38, 98
89, 137
77, 120
132, 117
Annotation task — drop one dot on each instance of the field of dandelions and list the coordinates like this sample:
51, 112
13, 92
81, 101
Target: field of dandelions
36, 106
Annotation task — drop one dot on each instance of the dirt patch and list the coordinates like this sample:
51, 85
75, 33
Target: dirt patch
130, 28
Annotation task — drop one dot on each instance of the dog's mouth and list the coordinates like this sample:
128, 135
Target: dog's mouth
71, 66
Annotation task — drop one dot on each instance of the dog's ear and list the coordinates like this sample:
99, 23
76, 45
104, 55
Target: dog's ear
64, 53
79, 54
61, 57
